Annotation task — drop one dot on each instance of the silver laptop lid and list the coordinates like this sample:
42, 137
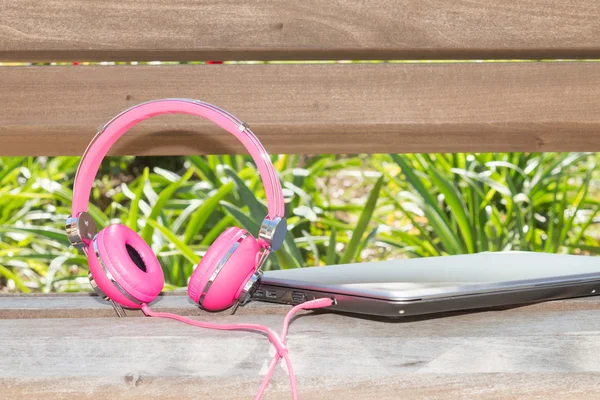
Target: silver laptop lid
419, 278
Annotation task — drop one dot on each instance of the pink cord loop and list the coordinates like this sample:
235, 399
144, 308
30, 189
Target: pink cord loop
277, 340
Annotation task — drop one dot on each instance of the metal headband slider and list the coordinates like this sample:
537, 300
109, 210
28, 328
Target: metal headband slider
249, 288
81, 230
273, 231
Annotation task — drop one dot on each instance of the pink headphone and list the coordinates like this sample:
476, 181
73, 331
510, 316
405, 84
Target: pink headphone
125, 271
123, 267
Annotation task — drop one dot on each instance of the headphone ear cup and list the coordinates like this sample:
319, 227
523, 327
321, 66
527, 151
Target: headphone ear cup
240, 265
121, 253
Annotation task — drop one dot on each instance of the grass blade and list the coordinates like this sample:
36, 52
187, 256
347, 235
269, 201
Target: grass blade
331, 257
185, 250
47, 232
363, 222
134, 208
164, 196
200, 216
457, 207
258, 211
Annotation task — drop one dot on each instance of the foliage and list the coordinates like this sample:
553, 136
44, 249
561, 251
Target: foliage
340, 208
180, 212
460, 203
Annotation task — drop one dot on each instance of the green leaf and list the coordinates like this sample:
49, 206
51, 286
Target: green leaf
416, 182
494, 184
14, 164
363, 222
591, 249
426, 240
8, 274
248, 223
200, 216
552, 218
436, 216
578, 202
331, 258
185, 250
520, 220
403, 242
313, 247
217, 229
442, 230
505, 164
368, 239
164, 196
552, 165
457, 207
258, 210
132, 219
561, 217
47, 232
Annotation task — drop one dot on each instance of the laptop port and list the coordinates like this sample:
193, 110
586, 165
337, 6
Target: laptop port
271, 294
298, 297
259, 293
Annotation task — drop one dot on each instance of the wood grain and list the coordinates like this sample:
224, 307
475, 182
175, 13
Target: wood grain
340, 108
88, 305
184, 30
514, 354
422, 386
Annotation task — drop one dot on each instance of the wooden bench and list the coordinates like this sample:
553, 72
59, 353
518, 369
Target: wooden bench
543, 351
73, 346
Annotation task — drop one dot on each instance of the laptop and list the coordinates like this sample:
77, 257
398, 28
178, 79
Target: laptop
401, 288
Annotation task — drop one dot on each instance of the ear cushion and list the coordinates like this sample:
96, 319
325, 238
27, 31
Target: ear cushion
210, 261
225, 288
131, 262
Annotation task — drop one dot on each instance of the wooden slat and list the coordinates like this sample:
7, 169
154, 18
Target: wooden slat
339, 108
414, 386
88, 305
302, 29
513, 354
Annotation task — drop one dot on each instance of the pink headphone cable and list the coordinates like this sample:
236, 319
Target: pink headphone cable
278, 341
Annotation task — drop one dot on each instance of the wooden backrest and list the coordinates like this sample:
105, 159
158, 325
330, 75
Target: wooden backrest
315, 107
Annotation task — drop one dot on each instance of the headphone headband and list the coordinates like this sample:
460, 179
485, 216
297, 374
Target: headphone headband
115, 128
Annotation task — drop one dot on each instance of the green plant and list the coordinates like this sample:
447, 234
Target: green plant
179, 212
340, 209
458, 203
